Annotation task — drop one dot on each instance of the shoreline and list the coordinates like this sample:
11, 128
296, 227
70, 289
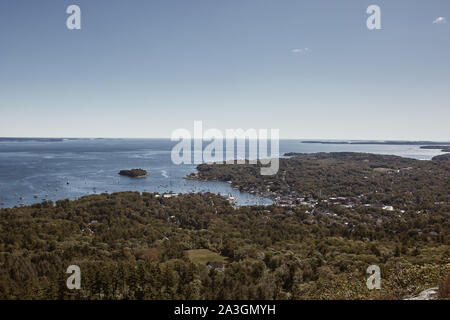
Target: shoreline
275, 198
288, 195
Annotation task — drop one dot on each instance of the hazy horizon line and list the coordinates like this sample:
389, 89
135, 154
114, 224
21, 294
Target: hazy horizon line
168, 138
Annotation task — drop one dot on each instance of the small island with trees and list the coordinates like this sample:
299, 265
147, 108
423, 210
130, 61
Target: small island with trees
134, 173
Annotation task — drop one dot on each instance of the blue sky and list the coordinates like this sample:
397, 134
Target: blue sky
144, 68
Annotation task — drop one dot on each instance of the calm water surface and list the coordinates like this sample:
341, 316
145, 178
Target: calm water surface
35, 170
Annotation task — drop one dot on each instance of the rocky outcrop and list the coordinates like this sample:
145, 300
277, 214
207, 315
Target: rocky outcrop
429, 294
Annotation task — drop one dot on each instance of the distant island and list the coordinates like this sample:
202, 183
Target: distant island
443, 148
414, 143
31, 139
134, 173
13, 139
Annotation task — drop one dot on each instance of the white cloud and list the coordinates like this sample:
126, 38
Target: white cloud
440, 20
300, 50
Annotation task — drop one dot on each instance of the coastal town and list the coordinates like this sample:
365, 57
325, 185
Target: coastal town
311, 181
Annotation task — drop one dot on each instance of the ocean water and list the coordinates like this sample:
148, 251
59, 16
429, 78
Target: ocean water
31, 171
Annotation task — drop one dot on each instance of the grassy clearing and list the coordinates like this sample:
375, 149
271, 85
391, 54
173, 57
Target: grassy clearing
202, 256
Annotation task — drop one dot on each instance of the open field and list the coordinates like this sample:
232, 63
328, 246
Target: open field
203, 256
